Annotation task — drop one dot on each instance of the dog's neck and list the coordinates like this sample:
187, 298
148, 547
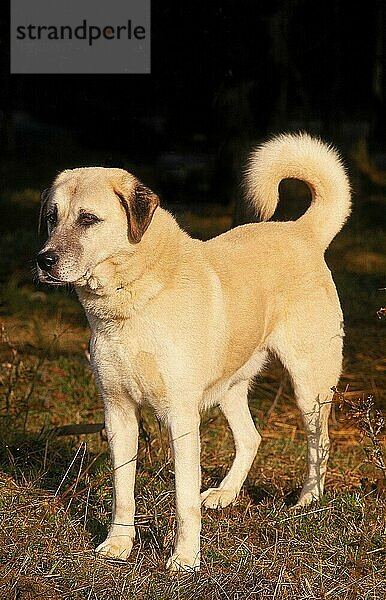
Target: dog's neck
120, 286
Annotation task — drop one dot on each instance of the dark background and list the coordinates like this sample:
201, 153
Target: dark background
225, 74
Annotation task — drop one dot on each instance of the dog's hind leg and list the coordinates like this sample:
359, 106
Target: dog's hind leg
236, 410
314, 365
315, 408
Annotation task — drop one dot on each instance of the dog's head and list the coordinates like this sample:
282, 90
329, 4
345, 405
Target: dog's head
92, 214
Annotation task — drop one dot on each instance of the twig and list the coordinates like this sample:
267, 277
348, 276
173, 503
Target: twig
370, 423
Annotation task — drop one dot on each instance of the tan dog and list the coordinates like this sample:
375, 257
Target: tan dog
183, 324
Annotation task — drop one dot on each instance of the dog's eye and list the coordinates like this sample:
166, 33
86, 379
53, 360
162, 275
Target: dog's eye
87, 219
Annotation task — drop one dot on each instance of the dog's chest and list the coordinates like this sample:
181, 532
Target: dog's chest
128, 365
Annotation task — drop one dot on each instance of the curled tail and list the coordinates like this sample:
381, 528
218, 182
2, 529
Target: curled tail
299, 156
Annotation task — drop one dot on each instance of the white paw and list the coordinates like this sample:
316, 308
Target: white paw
178, 562
218, 498
117, 547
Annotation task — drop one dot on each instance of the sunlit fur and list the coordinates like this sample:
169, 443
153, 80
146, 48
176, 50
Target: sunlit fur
183, 324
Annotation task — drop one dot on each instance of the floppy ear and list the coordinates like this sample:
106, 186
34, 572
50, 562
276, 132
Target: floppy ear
44, 196
139, 203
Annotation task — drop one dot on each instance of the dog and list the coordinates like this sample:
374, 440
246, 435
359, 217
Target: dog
183, 324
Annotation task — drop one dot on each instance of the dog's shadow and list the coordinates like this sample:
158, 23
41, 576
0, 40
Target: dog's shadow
255, 492
258, 494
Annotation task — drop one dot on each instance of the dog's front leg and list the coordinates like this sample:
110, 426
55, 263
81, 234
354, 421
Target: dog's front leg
121, 422
184, 434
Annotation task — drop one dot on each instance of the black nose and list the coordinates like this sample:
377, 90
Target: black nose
46, 260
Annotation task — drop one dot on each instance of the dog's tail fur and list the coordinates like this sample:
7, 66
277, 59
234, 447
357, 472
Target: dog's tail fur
300, 156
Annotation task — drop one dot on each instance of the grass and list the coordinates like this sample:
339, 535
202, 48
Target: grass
55, 490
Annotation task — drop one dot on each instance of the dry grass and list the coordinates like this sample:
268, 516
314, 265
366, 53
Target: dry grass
332, 551
56, 497
55, 491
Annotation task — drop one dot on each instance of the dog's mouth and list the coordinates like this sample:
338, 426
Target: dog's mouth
46, 277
